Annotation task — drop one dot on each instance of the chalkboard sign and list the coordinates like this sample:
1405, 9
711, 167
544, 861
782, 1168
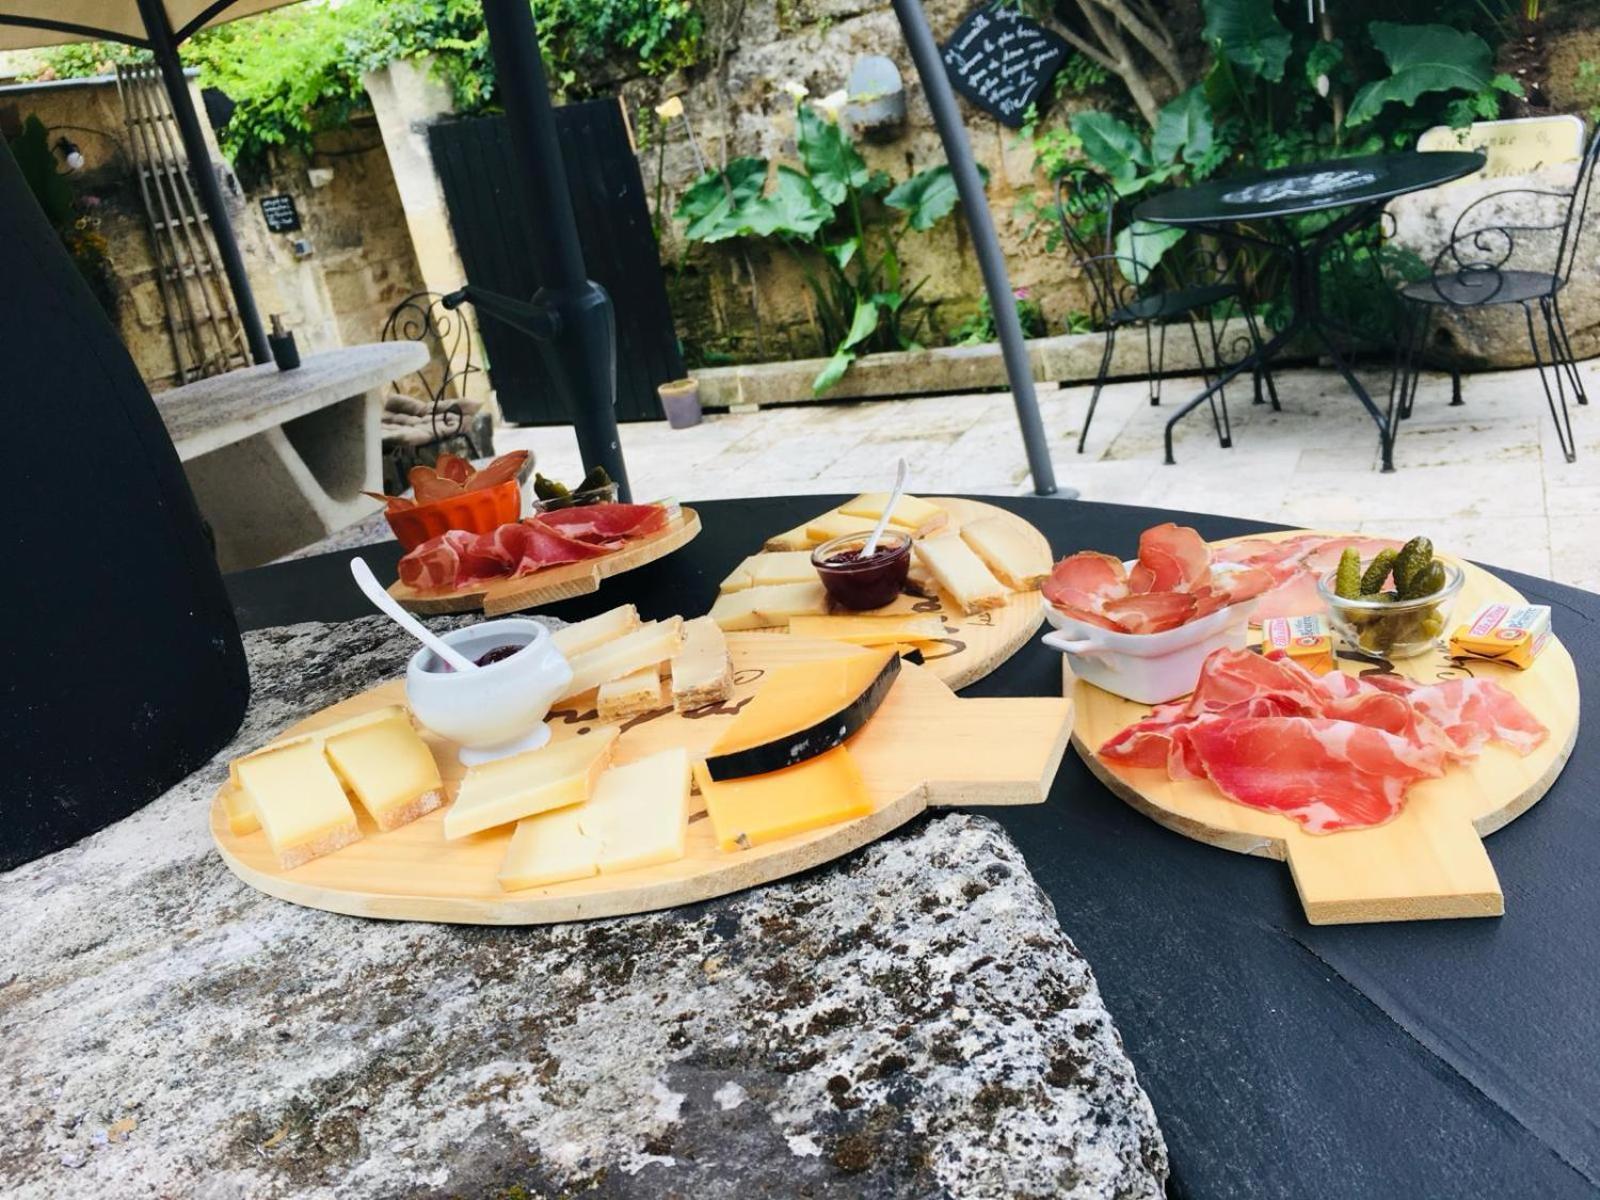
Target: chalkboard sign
281, 214
1003, 62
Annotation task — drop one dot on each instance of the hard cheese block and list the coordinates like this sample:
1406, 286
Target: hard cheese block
318, 736
509, 789
763, 808
803, 710
1014, 558
632, 695
784, 566
702, 673
910, 513
836, 524
389, 769
869, 631
647, 646
960, 572
299, 802
583, 636
769, 607
549, 848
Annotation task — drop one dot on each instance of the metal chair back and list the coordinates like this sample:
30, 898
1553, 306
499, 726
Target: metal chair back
1086, 206
420, 317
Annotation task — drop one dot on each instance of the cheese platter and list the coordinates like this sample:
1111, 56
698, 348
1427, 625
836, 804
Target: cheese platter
761, 756
1373, 765
967, 600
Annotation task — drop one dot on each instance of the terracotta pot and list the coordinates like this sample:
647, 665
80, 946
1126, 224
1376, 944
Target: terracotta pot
479, 512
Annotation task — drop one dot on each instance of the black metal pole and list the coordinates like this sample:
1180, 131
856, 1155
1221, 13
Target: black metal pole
975, 206
582, 356
164, 49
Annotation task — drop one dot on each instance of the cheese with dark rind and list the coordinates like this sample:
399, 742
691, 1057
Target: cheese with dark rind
803, 710
825, 790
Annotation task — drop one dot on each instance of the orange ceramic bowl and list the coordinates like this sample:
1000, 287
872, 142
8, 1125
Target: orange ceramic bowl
479, 512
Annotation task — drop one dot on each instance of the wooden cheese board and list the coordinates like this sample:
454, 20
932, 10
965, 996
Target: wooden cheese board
502, 596
925, 747
1430, 861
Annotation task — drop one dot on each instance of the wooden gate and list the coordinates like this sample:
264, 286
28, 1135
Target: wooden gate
487, 213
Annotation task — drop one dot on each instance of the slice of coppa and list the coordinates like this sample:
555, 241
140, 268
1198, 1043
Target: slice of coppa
803, 710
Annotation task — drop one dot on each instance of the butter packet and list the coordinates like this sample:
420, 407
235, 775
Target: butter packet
1307, 641
1508, 633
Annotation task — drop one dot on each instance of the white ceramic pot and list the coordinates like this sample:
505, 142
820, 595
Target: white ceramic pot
498, 709
1147, 668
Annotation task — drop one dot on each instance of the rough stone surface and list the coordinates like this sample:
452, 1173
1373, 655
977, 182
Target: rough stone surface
908, 1022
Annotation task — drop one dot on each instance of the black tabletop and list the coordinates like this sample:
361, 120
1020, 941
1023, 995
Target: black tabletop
1308, 187
1431, 1059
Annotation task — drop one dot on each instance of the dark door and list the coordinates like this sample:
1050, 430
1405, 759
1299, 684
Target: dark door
473, 158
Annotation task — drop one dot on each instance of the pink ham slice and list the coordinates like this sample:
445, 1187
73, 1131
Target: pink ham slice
1153, 612
1295, 564
460, 558
1176, 556
607, 522
1086, 580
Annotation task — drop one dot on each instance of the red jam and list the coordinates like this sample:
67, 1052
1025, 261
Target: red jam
858, 582
495, 655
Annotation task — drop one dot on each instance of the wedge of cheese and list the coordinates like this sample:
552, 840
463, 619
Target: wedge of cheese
764, 808
1014, 558
549, 848
702, 673
639, 813
960, 572
632, 695
650, 645
869, 631
769, 607
783, 566
299, 802
910, 513
794, 539
584, 636
509, 789
831, 525
802, 710
240, 812
389, 769
319, 736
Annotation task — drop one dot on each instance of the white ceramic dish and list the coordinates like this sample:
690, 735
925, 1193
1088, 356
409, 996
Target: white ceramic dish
1147, 668
498, 709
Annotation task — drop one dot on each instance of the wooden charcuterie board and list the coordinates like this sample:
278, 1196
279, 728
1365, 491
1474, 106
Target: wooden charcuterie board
925, 747
503, 596
1430, 861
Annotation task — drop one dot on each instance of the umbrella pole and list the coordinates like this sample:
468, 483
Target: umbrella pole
975, 207
582, 354
164, 49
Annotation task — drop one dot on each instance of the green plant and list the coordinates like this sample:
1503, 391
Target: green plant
1587, 87
842, 222
978, 329
73, 217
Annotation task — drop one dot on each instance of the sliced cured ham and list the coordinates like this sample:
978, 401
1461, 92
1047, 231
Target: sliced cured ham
1295, 564
1152, 612
1086, 580
1176, 556
459, 559
607, 522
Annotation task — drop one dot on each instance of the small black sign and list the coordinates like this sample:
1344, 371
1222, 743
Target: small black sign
1003, 62
281, 214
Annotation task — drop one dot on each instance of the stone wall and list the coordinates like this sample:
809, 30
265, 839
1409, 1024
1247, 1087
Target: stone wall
361, 262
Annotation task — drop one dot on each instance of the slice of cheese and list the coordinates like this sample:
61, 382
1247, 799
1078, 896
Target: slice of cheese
802, 710
639, 813
869, 631
240, 812
794, 539
763, 808
918, 516
584, 636
836, 524
920, 581
702, 673
788, 566
318, 736
389, 769
508, 789
769, 607
739, 578
647, 646
299, 802
960, 572
549, 848
632, 695
1014, 557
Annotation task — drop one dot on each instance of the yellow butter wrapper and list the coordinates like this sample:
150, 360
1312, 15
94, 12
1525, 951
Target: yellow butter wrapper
1507, 633
1308, 641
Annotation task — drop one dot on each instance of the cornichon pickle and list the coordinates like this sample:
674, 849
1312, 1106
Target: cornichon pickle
546, 488
1425, 582
1347, 580
1414, 556
1377, 571
596, 478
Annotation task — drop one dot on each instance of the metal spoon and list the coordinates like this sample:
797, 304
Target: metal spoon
894, 498
390, 607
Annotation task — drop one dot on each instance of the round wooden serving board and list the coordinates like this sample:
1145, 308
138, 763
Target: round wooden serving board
924, 747
1430, 861
503, 596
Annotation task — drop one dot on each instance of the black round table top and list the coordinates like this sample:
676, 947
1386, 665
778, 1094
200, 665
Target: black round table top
1308, 187
1436, 1058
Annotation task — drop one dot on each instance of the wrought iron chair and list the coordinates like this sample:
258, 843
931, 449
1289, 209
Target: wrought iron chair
1123, 295
1483, 266
443, 412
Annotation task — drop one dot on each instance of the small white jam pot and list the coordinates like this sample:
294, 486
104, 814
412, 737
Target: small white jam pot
495, 710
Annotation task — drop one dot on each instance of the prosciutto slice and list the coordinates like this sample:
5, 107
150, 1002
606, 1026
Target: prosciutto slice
459, 558
1294, 564
607, 522
1332, 752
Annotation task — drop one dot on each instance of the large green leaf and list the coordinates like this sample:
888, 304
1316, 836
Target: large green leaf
715, 204
833, 372
1110, 144
928, 197
1249, 34
1184, 128
1140, 246
829, 157
795, 209
1422, 58
864, 324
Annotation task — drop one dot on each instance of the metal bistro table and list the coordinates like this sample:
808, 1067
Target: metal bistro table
1254, 209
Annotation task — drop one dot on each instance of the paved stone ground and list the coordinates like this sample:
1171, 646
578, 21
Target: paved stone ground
1485, 480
